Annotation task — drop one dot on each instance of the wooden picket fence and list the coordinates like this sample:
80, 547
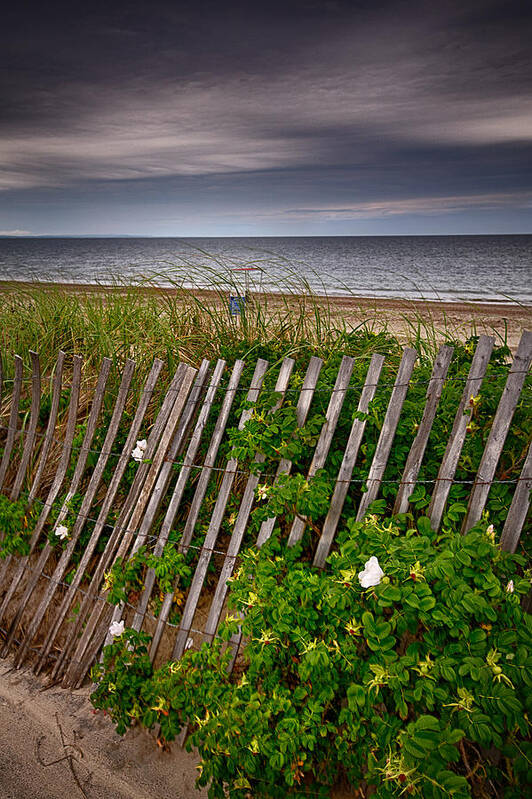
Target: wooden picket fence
36, 610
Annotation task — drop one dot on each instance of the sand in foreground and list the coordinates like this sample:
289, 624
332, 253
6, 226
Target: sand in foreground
91, 762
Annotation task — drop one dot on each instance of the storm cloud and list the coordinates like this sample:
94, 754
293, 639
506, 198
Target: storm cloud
229, 118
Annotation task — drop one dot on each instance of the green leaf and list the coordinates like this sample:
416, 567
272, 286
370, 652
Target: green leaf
356, 696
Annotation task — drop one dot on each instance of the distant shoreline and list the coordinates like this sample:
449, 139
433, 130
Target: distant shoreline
265, 236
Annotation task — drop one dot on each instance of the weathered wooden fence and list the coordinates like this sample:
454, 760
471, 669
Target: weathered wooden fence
40, 608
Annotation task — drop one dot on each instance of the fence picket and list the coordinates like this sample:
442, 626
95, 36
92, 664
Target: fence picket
13, 418
326, 436
89, 603
50, 427
32, 425
519, 508
285, 467
47, 442
76, 479
177, 493
215, 522
499, 431
118, 473
348, 463
81, 518
389, 426
454, 446
199, 493
163, 478
417, 450
170, 433
242, 519
303, 406
55, 487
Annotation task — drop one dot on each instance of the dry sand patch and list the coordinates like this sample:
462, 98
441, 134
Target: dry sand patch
53, 746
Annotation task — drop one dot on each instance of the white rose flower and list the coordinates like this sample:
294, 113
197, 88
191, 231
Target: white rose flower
61, 532
372, 574
117, 628
140, 449
510, 587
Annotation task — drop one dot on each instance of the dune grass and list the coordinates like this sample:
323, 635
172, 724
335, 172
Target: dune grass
143, 321
183, 314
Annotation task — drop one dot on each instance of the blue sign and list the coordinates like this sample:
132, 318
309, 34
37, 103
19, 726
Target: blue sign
236, 305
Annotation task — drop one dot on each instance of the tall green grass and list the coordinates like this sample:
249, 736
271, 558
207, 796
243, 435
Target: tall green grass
188, 319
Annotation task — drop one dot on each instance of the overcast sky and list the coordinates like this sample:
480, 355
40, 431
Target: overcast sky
304, 117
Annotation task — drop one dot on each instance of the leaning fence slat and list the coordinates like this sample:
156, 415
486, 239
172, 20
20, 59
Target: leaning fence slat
153, 488
32, 425
13, 417
519, 508
118, 473
326, 436
348, 463
158, 490
215, 522
179, 413
177, 493
241, 522
201, 488
56, 485
50, 427
499, 431
303, 406
165, 473
212, 452
66, 452
47, 442
90, 431
454, 446
79, 524
76, 479
285, 467
417, 450
387, 434
89, 604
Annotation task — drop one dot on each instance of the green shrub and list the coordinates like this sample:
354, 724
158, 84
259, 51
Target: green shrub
16, 526
419, 684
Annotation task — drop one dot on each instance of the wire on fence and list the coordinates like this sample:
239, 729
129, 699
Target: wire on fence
247, 473
99, 597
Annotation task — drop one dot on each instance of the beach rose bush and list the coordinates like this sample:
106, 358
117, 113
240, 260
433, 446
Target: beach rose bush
404, 667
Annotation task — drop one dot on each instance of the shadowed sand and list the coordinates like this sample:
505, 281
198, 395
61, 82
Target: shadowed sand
53, 746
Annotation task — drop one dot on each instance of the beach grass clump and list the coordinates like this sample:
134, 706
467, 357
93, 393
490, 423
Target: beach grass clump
185, 315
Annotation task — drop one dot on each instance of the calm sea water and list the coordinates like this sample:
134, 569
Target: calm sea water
482, 268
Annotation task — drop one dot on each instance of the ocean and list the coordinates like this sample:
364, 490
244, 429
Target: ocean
447, 268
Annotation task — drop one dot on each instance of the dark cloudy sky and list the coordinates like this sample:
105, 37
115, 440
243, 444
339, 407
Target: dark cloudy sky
245, 118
